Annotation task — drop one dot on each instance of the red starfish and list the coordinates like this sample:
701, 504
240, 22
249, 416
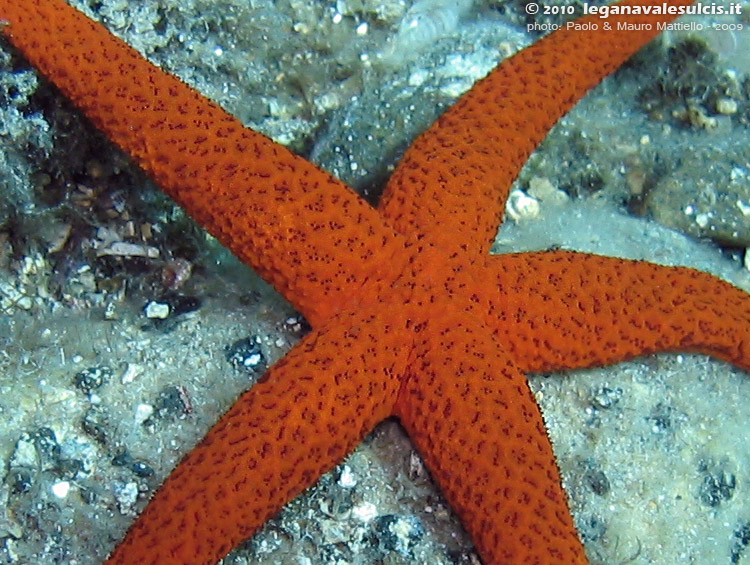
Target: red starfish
372, 284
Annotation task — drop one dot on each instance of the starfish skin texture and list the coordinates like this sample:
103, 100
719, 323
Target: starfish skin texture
411, 315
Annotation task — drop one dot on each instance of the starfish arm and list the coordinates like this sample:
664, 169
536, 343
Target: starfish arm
453, 181
472, 417
561, 310
309, 410
304, 231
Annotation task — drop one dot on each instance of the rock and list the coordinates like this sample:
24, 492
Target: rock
707, 198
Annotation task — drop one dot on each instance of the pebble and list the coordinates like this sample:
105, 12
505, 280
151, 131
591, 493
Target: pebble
46, 444
130, 373
61, 489
93, 424
125, 249
19, 481
143, 412
157, 310
173, 401
598, 481
606, 397
398, 533
24, 454
347, 478
719, 483
137, 467
521, 206
726, 106
592, 527
176, 272
110, 311
741, 542
542, 189
126, 496
702, 219
91, 378
661, 417
246, 354
365, 512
